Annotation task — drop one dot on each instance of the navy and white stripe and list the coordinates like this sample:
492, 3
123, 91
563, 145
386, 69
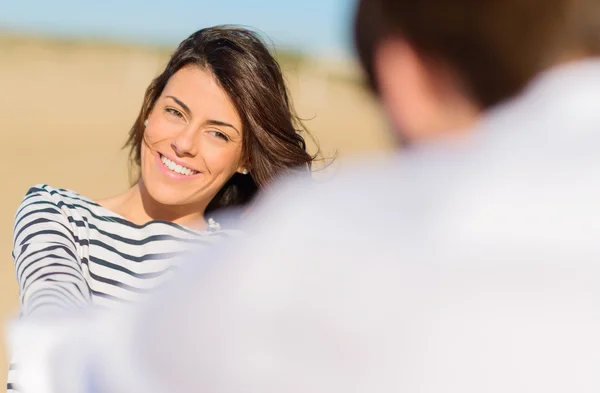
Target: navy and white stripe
70, 252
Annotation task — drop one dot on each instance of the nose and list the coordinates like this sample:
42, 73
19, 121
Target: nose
184, 143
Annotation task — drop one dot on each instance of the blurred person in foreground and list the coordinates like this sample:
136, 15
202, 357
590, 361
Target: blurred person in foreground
215, 128
469, 263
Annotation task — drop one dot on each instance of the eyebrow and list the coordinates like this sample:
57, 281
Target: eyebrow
180, 103
211, 122
222, 123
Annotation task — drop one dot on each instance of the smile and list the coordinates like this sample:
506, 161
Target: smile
176, 168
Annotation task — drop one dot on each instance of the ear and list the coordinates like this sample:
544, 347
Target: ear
404, 86
243, 169
147, 119
423, 98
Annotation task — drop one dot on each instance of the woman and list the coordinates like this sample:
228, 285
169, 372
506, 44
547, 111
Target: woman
214, 128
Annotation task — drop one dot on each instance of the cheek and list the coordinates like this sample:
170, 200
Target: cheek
221, 158
159, 130
157, 137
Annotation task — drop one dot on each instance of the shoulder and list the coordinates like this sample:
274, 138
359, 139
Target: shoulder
42, 197
48, 192
363, 194
352, 182
45, 191
310, 204
44, 211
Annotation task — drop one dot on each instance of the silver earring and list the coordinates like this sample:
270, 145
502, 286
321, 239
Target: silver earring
244, 171
146, 123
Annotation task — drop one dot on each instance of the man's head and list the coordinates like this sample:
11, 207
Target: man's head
436, 64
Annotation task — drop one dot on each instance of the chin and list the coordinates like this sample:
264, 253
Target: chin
163, 197
165, 194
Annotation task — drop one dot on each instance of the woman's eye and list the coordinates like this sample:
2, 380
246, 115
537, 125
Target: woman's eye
175, 113
219, 134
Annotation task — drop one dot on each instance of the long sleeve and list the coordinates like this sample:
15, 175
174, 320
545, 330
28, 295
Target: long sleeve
151, 347
47, 264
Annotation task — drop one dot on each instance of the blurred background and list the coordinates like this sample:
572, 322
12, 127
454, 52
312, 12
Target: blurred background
73, 74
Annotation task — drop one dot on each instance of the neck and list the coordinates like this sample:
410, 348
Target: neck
139, 207
452, 123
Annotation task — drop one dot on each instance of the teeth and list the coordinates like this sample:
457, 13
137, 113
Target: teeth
177, 168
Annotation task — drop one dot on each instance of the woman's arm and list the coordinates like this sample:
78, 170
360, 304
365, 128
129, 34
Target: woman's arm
47, 263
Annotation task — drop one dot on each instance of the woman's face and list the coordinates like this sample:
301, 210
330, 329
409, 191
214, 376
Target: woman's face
193, 141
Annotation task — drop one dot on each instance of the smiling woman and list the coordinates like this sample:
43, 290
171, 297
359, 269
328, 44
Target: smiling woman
216, 126
190, 146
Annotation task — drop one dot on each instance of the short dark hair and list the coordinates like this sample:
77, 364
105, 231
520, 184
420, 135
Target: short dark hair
252, 78
495, 46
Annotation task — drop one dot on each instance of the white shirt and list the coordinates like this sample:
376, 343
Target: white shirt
470, 266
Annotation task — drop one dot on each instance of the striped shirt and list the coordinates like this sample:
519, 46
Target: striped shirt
70, 252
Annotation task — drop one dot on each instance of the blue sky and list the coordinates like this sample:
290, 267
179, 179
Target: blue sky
315, 26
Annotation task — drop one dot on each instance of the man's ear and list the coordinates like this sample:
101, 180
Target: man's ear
421, 97
403, 86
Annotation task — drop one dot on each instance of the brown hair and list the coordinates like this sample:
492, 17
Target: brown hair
244, 68
495, 46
